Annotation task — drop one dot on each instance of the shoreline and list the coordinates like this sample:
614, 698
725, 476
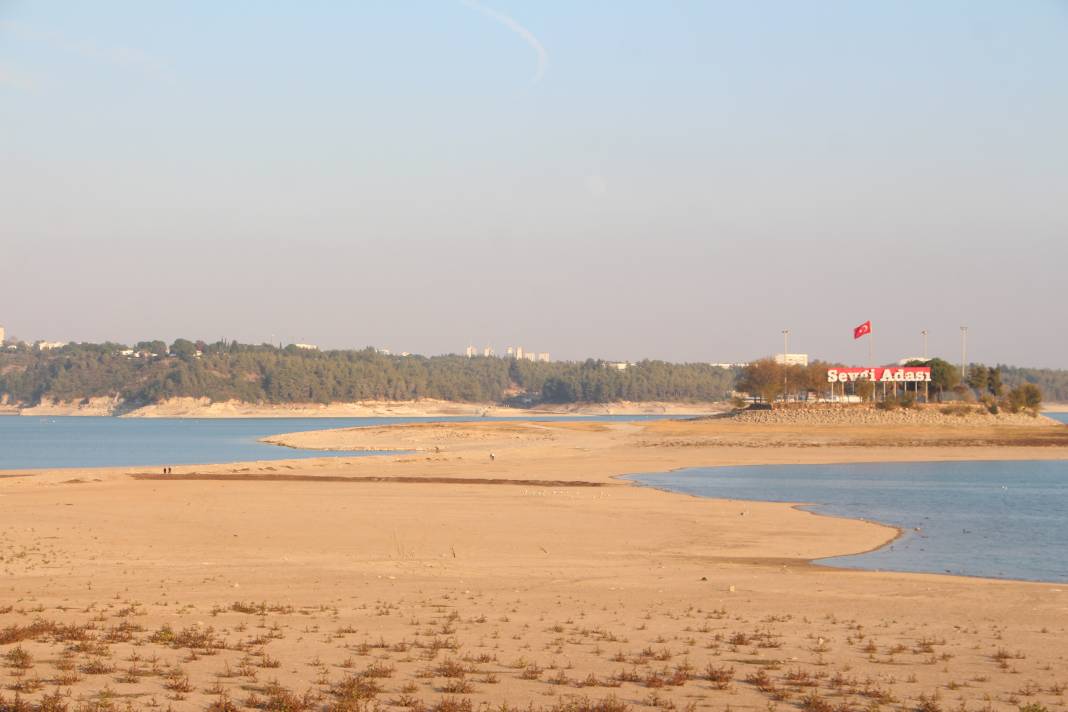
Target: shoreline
427, 408
543, 590
801, 507
816, 507
630, 479
626, 479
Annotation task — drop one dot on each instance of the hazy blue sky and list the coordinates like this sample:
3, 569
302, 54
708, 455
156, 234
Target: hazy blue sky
677, 180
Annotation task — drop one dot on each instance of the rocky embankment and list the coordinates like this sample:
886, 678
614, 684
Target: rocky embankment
848, 415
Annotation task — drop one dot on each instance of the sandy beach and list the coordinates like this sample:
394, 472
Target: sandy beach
502, 356
450, 579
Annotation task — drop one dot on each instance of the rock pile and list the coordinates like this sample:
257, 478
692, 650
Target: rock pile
949, 415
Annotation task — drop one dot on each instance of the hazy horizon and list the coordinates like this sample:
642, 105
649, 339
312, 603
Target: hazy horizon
638, 180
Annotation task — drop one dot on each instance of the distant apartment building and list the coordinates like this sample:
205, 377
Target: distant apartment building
49, 345
792, 359
307, 347
521, 354
515, 352
618, 365
1, 335
728, 366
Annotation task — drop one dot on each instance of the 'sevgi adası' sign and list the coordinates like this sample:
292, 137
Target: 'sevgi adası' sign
899, 374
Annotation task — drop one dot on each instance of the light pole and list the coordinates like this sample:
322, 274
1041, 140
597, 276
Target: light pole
963, 353
785, 372
926, 394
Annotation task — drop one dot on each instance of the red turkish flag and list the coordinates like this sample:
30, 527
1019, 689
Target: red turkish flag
862, 330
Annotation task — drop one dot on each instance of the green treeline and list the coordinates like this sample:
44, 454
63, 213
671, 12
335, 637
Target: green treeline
266, 374
1052, 382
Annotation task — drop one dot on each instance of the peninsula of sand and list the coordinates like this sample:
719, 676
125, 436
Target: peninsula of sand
506, 566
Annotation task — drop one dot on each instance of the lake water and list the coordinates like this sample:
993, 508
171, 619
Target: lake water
997, 519
994, 519
85, 441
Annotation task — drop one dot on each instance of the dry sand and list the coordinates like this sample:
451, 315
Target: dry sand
444, 578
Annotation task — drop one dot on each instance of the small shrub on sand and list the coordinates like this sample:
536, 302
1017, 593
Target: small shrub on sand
356, 688
54, 702
720, 676
223, 704
452, 704
457, 686
97, 666
610, 703
1033, 707
814, 703
19, 658
531, 672
281, 699
928, 704
33, 631
450, 668
379, 669
14, 705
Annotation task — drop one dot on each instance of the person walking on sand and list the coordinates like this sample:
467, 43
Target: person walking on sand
492, 458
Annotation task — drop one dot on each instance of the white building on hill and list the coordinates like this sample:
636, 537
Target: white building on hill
792, 359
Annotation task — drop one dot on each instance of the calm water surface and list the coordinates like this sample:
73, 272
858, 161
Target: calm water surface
996, 519
84, 441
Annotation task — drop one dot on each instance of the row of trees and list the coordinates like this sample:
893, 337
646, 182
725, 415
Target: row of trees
266, 374
227, 370
997, 387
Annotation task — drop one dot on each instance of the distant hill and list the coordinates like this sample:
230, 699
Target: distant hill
1053, 382
153, 372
